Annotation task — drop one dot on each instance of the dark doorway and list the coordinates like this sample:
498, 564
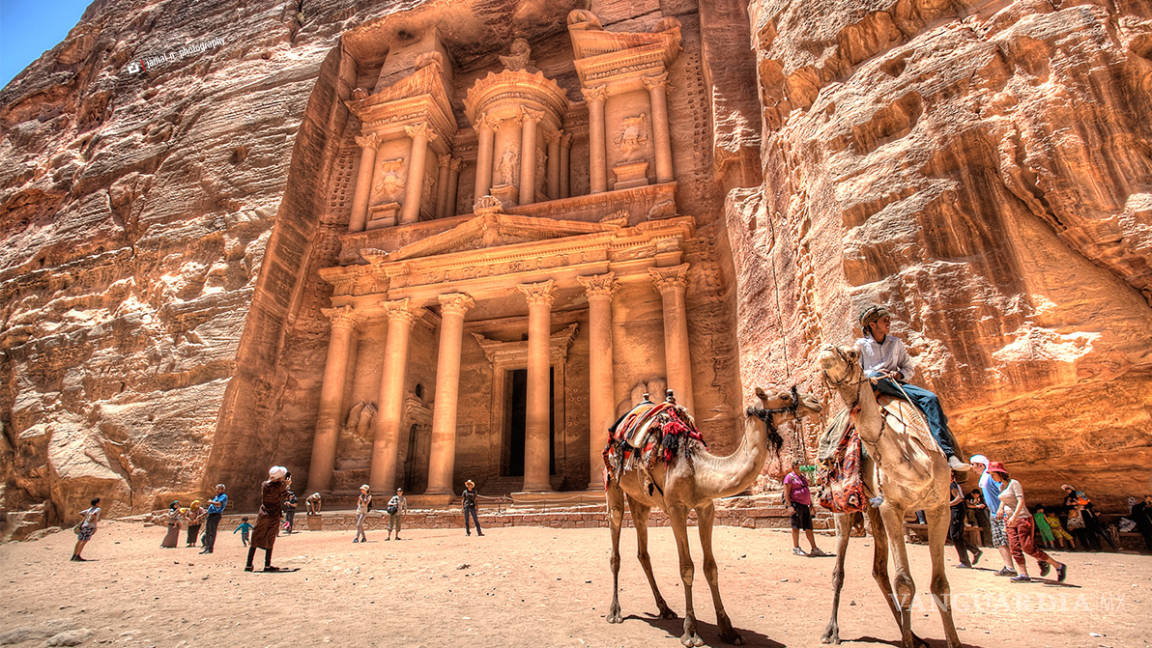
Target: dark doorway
410, 460
517, 409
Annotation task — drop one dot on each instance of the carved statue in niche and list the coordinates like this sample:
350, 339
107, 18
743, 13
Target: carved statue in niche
359, 420
633, 136
509, 167
517, 58
541, 173
390, 180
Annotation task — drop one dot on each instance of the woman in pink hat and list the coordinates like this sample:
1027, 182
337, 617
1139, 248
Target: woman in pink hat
1021, 529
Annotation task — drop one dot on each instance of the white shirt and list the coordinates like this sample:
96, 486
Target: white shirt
889, 356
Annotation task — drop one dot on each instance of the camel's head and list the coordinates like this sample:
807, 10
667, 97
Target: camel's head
784, 406
841, 365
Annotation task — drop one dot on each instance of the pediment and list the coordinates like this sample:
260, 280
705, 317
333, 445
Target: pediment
494, 230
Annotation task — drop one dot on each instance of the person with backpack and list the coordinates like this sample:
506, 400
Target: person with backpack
86, 528
397, 507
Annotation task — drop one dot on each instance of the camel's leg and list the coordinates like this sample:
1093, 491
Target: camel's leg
843, 532
905, 586
937, 530
880, 565
640, 521
678, 518
704, 518
615, 496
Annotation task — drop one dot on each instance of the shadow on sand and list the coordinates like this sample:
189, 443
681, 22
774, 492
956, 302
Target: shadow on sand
709, 632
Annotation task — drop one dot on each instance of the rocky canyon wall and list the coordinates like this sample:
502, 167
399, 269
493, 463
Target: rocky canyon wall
984, 168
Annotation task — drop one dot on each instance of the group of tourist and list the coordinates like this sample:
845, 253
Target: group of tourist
195, 517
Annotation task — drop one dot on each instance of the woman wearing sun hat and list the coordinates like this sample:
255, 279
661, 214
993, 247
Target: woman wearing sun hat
1021, 529
272, 495
468, 501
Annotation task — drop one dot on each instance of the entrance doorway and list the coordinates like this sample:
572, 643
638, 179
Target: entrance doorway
517, 409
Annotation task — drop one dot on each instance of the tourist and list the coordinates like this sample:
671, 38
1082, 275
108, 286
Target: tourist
396, 509
1043, 529
1020, 527
363, 505
1092, 530
1078, 529
312, 503
86, 528
290, 512
887, 365
272, 495
990, 489
468, 502
959, 512
215, 511
798, 499
1142, 515
194, 517
243, 528
172, 517
1062, 536
978, 511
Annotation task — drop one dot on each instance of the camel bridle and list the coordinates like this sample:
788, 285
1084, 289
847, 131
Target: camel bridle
767, 415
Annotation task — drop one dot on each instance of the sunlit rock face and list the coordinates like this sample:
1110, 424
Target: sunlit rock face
983, 168
172, 182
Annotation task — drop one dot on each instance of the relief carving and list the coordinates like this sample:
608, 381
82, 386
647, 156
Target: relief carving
633, 137
509, 167
390, 182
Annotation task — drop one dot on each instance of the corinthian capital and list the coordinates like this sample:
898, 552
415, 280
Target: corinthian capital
531, 115
596, 93
399, 309
598, 285
368, 140
421, 130
341, 316
455, 304
670, 278
655, 81
539, 293
454, 165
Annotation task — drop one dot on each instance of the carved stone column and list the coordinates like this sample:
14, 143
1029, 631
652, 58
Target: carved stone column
528, 155
453, 183
597, 157
565, 176
601, 396
553, 140
672, 282
421, 135
442, 457
363, 192
386, 436
331, 397
484, 136
657, 94
442, 186
536, 428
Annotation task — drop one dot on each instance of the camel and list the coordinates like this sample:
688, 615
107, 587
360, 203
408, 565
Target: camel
909, 472
693, 482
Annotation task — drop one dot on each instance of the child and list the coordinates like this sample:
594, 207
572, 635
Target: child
243, 528
1043, 530
1058, 532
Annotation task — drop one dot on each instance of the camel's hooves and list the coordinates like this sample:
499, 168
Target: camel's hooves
615, 618
831, 637
692, 640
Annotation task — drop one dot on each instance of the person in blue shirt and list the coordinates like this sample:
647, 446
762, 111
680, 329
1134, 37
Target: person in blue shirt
243, 528
887, 365
990, 489
215, 510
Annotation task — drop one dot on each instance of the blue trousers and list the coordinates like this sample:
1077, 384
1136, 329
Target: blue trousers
927, 403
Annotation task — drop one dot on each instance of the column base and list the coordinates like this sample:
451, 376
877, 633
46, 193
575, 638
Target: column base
558, 498
432, 499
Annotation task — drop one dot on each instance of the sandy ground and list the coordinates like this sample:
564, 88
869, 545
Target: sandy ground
525, 587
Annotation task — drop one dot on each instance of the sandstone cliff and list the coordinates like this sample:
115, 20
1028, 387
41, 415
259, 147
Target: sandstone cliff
984, 168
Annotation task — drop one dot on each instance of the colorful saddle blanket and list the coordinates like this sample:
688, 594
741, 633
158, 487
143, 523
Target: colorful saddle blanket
650, 432
839, 475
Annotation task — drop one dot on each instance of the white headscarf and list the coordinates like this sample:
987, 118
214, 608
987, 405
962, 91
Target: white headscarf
276, 473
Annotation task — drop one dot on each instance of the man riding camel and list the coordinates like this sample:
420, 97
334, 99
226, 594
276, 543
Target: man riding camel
887, 365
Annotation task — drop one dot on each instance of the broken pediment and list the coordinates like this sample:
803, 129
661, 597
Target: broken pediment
496, 230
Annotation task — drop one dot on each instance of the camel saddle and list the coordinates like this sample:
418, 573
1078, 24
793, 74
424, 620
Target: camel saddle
648, 432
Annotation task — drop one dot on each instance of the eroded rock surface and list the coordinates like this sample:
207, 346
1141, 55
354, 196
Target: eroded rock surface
983, 168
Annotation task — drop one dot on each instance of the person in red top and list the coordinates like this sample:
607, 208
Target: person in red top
799, 501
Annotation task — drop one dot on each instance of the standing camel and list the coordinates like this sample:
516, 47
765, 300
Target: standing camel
691, 480
908, 470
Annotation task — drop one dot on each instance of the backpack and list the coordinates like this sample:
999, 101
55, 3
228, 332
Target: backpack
391, 509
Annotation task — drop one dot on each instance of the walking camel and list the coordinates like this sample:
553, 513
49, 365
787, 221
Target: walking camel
908, 470
691, 480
